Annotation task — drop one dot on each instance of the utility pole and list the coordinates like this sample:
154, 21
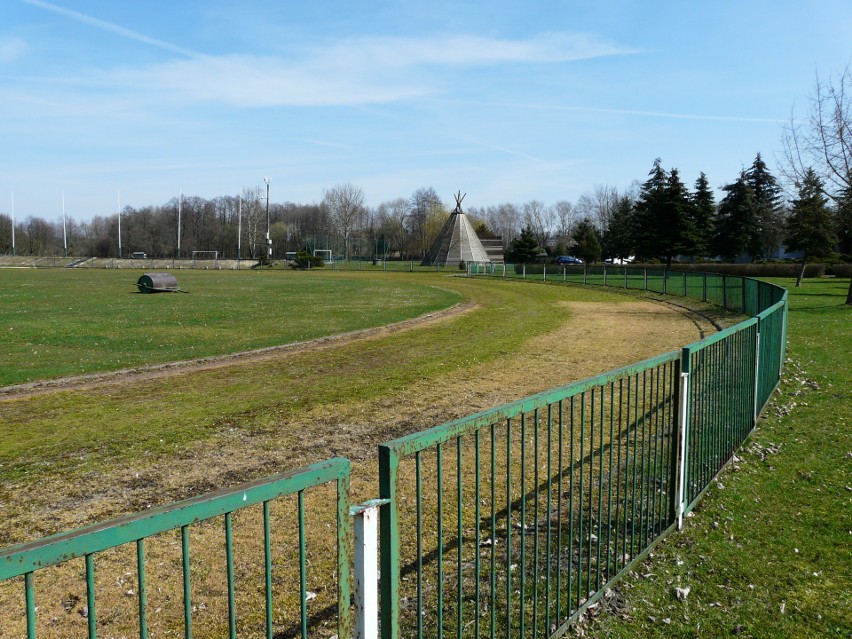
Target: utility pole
268, 237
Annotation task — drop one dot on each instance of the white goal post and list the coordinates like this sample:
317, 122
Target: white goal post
205, 256
325, 254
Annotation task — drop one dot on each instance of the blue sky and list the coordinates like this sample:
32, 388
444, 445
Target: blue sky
506, 101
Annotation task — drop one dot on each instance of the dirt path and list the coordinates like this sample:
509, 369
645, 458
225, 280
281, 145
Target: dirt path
596, 337
130, 376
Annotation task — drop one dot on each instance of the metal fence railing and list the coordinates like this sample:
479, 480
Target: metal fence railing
510, 522
143, 556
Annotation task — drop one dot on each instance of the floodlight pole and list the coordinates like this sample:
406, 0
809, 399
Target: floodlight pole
64, 227
239, 226
13, 224
268, 237
119, 223
180, 206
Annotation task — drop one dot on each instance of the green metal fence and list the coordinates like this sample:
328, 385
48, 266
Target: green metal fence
510, 522
144, 532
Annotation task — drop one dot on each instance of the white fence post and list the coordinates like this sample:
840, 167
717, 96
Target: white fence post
684, 424
367, 569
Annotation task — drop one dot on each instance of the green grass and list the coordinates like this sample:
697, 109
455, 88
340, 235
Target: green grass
84, 430
767, 553
69, 322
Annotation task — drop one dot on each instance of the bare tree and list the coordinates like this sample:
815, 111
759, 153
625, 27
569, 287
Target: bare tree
504, 220
391, 219
564, 217
823, 139
537, 218
344, 204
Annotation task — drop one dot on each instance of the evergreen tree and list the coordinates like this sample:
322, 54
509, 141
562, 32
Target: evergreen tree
810, 228
734, 226
524, 248
663, 217
618, 239
703, 212
588, 246
768, 210
678, 224
648, 213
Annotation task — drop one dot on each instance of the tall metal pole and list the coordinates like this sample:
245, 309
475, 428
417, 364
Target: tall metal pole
268, 237
240, 226
64, 228
180, 204
119, 223
13, 223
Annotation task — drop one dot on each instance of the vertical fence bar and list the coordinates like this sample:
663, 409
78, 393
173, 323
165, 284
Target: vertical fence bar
418, 486
229, 560
143, 600
187, 591
439, 517
389, 531
683, 429
90, 595
267, 568
29, 596
303, 564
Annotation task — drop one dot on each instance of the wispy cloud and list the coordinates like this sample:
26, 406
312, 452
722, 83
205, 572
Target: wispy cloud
350, 71
111, 27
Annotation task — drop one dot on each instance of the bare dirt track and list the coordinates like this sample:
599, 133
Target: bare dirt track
594, 338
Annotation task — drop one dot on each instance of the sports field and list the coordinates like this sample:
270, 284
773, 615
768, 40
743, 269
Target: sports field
71, 455
64, 322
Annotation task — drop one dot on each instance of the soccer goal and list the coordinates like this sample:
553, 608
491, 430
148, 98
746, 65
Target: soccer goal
205, 259
325, 254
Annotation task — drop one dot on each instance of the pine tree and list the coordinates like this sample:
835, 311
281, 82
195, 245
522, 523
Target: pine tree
648, 212
703, 212
677, 228
618, 240
524, 248
588, 246
734, 225
663, 220
810, 228
768, 210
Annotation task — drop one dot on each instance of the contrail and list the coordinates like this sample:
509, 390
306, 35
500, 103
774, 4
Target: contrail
113, 28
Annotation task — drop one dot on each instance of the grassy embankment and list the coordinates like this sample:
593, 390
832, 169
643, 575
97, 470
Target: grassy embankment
767, 553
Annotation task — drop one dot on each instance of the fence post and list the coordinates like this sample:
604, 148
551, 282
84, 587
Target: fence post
705, 288
585, 274
366, 569
544, 272
666, 281
724, 291
683, 428
625, 277
756, 373
684, 283
645, 273
524, 267
389, 534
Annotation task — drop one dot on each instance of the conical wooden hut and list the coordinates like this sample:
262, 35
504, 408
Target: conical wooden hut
457, 242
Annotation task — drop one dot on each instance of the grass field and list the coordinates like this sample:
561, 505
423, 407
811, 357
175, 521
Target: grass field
769, 551
766, 554
68, 322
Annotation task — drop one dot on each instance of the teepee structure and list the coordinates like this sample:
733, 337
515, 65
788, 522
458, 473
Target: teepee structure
457, 242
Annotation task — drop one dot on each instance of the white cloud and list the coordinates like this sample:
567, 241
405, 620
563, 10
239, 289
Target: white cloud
350, 72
